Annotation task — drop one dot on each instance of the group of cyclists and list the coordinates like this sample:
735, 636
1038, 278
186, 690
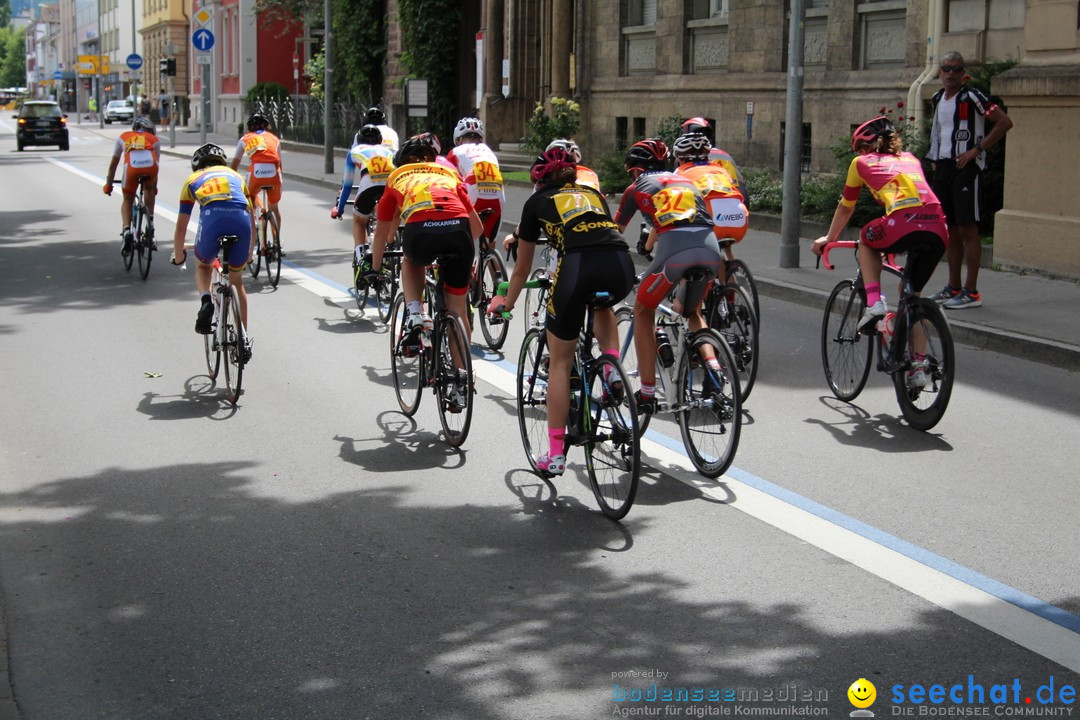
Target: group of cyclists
690, 196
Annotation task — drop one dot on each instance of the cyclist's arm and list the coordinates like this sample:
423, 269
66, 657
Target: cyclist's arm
113, 163
182, 220
627, 208
346, 183
238, 155
839, 222
520, 276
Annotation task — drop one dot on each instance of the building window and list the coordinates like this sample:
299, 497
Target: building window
621, 128
639, 38
641, 12
639, 128
882, 32
804, 159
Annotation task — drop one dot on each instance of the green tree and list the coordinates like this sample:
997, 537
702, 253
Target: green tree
13, 62
5, 13
426, 25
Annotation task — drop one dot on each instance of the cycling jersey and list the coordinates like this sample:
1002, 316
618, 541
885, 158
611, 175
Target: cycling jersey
572, 216
376, 162
389, 137
666, 199
895, 181
224, 209
721, 158
141, 152
479, 169
587, 177
263, 150
730, 217
959, 124
424, 191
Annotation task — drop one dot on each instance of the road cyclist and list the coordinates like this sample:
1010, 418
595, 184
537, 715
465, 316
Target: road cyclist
263, 150
592, 257
224, 210
140, 150
479, 169
717, 156
375, 162
375, 116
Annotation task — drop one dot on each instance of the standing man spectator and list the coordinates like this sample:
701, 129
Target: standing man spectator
163, 108
957, 155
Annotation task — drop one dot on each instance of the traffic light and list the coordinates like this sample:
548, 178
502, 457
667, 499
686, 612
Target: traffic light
170, 67
163, 66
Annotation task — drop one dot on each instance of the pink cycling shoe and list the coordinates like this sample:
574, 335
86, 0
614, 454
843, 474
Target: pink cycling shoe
551, 465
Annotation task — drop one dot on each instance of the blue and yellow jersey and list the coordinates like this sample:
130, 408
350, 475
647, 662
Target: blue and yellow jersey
213, 184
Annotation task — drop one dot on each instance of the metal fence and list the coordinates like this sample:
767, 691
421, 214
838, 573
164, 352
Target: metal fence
301, 119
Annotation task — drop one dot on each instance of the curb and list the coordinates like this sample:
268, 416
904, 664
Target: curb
8, 709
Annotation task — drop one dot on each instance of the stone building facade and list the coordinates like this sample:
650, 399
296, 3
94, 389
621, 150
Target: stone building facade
633, 63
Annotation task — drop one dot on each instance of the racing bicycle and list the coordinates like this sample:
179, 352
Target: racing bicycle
267, 248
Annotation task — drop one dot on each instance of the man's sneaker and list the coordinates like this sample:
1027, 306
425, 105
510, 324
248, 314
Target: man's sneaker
947, 293
129, 243
551, 465
875, 312
918, 377
645, 405
204, 324
966, 299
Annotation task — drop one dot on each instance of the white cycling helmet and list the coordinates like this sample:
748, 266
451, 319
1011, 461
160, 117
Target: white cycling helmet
469, 126
568, 146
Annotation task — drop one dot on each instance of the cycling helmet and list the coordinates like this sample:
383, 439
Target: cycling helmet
208, 154
142, 124
419, 148
870, 131
695, 125
651, 154
568, 146
257, 122
468, 126
693, 147
368, 135
374, 116
550, 161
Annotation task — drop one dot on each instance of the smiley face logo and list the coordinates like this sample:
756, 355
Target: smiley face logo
862, 693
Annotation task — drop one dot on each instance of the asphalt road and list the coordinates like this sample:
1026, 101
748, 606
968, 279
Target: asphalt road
315, 554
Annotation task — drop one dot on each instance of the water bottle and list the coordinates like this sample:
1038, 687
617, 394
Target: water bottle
663, 349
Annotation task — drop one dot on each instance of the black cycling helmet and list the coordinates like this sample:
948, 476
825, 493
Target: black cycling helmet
142, 124
374, 116
257, 122
693, 147
368, 135
208, 154
424, 147
651, 154
870, 131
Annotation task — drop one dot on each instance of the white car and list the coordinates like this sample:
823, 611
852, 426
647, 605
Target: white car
120, 111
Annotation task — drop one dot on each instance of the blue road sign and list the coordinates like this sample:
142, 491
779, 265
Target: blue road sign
58, 75
134, 61
202, 39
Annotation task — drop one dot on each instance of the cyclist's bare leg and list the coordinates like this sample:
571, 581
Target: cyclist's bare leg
460, 305
150, 197
125, 209
645, 341
870, 262
606, 330
277, 215
236, 279
202, 277
558, 389
359, 229
412, 280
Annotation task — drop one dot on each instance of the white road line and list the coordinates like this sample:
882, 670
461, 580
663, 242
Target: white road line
928, 576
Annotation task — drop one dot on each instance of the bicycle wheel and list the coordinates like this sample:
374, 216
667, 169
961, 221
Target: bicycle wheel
491, 273
129, 259
732, 315
360, 288
406, 363
532, 379
709, 411
845, 353
453, 384
923, 407
739, 274
387, 289
210, 341
272, 233
535, 301
233, 339
256, 253
612, 439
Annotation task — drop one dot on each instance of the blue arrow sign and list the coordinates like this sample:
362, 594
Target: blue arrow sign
202, 39
57, 75
134, 61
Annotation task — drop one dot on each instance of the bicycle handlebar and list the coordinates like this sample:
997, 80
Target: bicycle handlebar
890, 258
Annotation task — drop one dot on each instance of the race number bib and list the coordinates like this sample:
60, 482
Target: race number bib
215, 188
899, 193
378, 168
572, 204
674, 204
489, 181
253, 145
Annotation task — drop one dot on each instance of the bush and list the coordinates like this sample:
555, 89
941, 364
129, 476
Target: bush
764, 191
564, 123
669, 129
611, 171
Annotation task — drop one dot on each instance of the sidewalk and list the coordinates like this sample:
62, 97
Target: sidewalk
1028, 316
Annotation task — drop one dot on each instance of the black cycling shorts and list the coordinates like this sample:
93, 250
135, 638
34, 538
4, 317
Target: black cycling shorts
425, 240
367, 199
580, 274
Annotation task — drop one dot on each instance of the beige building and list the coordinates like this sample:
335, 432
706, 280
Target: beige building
633, 63
165, 34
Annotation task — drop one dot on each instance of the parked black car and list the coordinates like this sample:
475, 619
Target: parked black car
41, 123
